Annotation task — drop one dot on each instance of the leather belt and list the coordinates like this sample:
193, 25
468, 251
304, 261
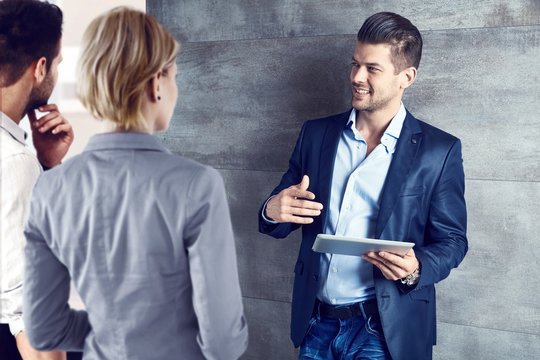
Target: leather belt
365, 309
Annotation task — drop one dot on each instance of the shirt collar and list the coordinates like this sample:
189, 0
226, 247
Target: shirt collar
12, 128
124, 140
391, 134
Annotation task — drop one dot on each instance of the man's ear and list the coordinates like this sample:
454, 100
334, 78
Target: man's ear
40, 69
408, 76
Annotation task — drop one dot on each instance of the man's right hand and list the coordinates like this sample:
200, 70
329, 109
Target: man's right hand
52, 135
29, 353
294, 204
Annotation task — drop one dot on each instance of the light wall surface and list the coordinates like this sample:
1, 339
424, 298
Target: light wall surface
251, 72
77, 16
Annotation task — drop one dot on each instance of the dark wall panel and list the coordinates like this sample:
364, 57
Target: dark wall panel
248, 95
214, 20
265, 264
249, 98
495, 288
268, 323
469, 342
483, 86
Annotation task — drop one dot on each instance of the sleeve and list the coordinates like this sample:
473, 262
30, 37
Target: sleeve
209, 240
267, 220
49, 322
18, 175
292, 177
445, 234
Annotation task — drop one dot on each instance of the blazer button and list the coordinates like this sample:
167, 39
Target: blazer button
315, 277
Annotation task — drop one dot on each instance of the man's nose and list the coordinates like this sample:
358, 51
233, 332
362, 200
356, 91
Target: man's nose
360, 75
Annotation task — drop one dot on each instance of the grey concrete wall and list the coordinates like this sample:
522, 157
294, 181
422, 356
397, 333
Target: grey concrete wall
252, 71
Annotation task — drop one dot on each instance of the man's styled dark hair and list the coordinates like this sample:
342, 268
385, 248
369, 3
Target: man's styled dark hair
29, 30
396, 31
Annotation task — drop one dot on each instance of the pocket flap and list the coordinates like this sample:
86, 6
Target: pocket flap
424, 294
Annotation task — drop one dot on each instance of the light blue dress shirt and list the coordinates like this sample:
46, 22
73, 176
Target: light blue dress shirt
354, 206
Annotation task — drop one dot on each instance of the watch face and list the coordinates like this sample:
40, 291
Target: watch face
411, 279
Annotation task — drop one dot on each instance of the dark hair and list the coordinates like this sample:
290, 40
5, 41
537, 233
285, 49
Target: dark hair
29, 30
399, 33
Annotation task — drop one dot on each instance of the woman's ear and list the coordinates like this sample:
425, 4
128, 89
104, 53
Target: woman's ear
153, 87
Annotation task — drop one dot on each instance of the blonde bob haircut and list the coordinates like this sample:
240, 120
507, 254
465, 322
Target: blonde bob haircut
122, 50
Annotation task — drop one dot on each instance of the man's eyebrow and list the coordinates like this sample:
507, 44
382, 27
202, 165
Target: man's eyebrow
369, 64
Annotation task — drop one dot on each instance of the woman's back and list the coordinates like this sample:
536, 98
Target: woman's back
147, 240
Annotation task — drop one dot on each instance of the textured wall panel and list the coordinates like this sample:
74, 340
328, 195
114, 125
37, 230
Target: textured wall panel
457, 342
212, 20
268, 323
496, 287
265, 264
242, 104
483, 86
249, 98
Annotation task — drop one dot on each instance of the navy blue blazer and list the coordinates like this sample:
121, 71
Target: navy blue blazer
422, 201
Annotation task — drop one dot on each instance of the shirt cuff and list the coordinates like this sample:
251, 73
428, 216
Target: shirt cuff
264, 208
16, 326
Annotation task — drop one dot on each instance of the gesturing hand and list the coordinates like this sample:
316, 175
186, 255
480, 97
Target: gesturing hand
52, 135
294, 204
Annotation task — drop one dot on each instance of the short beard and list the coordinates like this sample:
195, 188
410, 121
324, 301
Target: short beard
34, 104
40, 95
374, 105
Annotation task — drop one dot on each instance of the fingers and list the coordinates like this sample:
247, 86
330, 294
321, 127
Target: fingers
301, 204
304, 184
393, 267
300, 190
297, 219
387, 268
48, 108
301, 211
53, 121
283, 208
294, 204
31, 116
49, 122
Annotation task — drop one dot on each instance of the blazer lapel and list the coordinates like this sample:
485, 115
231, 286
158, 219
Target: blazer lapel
329, 146
406, 150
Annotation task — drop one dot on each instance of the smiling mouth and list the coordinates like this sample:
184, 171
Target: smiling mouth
361, 91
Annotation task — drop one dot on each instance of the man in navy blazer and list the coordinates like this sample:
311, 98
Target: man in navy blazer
375, 171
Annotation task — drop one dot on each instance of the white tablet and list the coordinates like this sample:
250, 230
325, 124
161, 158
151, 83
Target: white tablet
333, 244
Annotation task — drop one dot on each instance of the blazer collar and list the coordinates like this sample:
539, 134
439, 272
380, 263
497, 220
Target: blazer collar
406, 150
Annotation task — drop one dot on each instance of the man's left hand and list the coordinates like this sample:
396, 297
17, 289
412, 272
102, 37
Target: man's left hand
393, 267
52, 135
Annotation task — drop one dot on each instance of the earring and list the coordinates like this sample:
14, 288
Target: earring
159, 97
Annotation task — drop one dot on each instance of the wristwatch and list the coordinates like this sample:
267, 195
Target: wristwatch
412, 278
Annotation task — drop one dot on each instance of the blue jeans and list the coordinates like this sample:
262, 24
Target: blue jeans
349, 339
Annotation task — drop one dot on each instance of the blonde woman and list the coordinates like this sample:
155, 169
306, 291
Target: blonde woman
144, 234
